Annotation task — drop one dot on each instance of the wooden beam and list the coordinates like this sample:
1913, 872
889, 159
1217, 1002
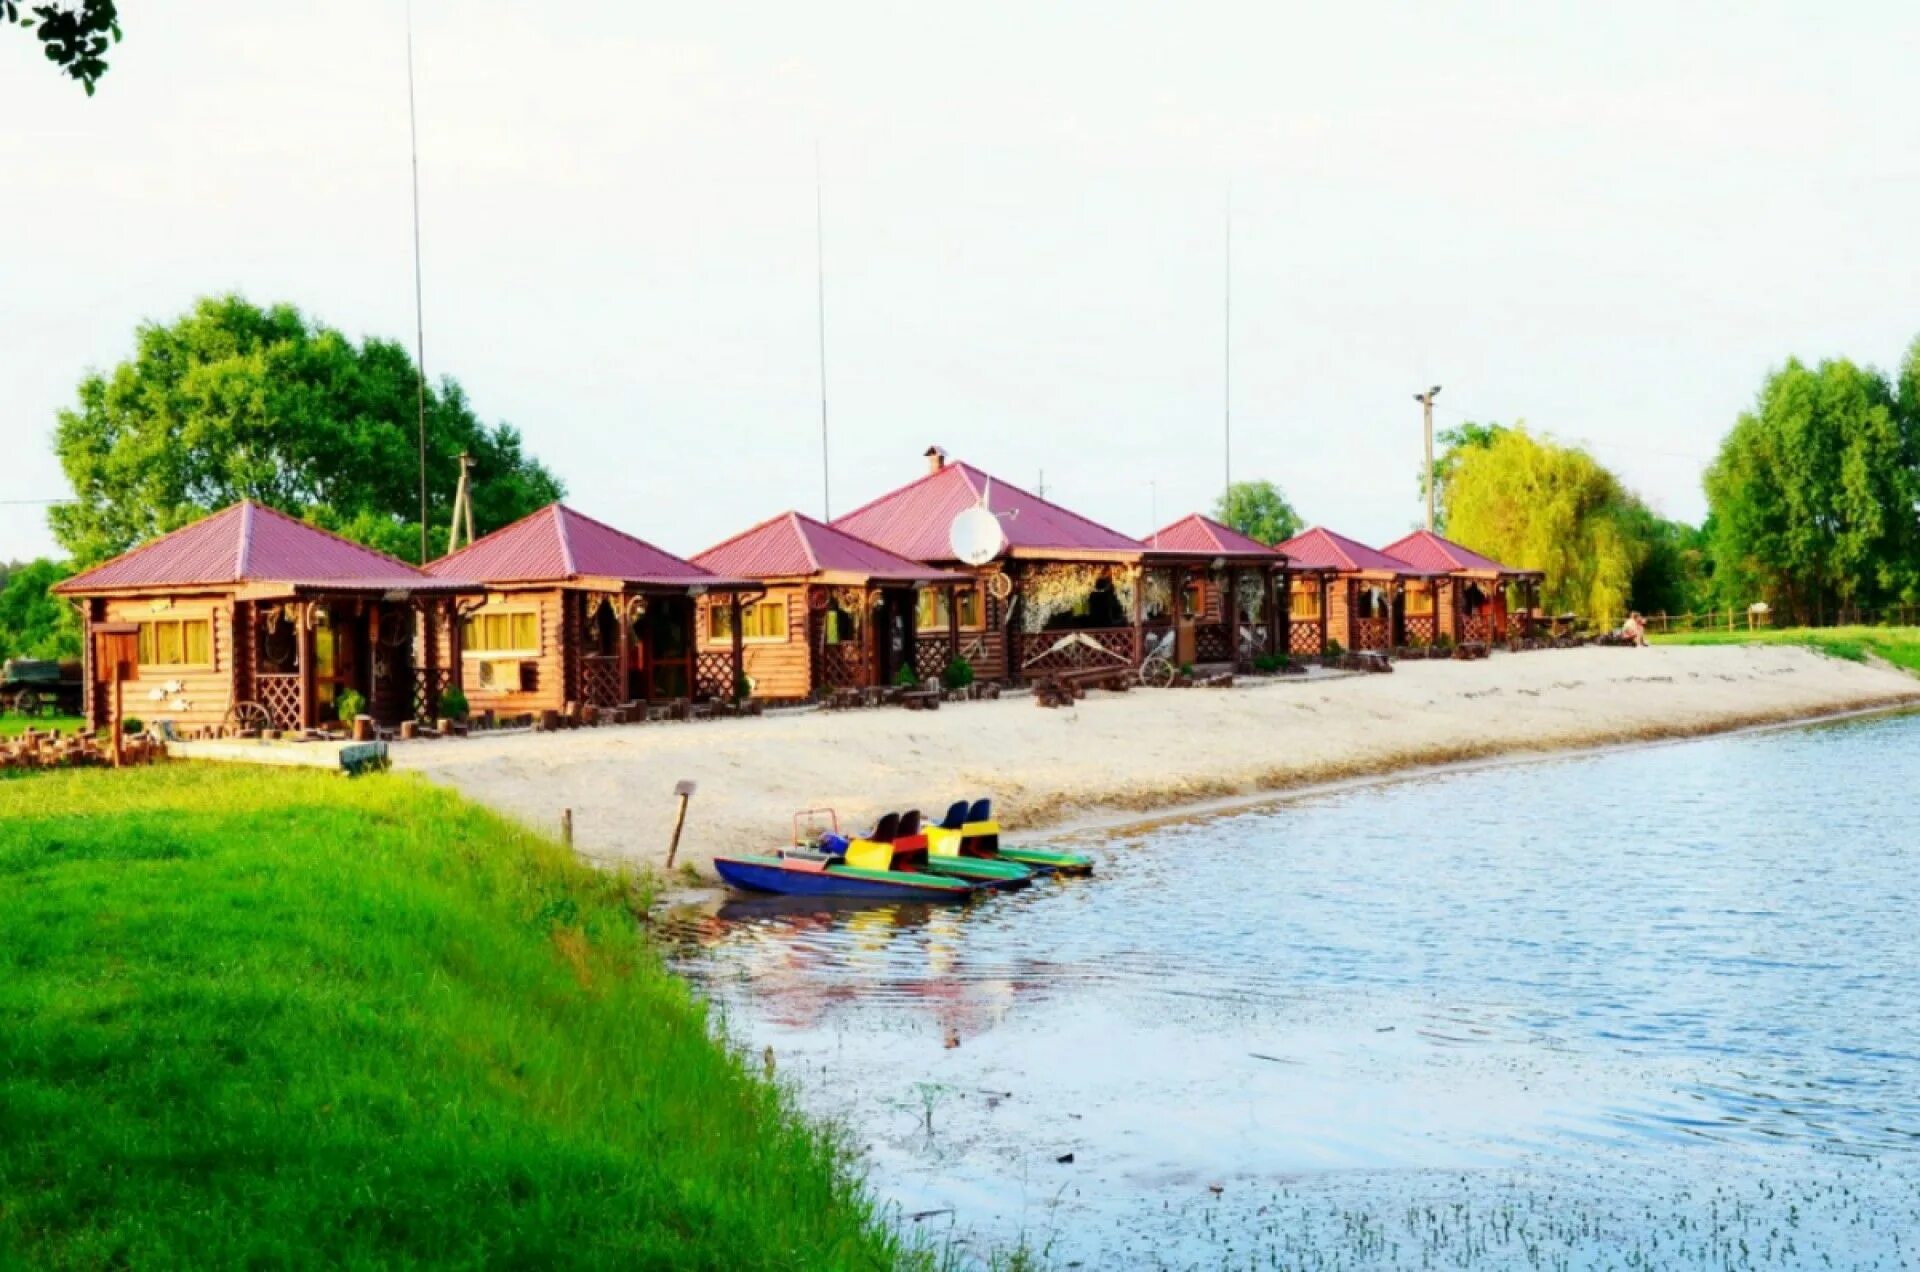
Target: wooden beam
740, 639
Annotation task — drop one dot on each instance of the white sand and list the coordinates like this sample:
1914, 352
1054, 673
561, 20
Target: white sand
1142, 750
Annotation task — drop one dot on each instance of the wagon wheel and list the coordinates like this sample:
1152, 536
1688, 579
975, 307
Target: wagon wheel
249, 715
27, 703
1157, 672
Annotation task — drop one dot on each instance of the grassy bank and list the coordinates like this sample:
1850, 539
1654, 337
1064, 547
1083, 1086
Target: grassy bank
1897, 645
11, 725
252, 1016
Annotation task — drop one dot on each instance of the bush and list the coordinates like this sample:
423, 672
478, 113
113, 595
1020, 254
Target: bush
350, 704
1186, 670
1267, 664
453, 705
1335, 649
742, 687
906, 678
133, 724
958, 675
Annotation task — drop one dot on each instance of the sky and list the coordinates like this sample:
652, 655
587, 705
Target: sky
1607, 221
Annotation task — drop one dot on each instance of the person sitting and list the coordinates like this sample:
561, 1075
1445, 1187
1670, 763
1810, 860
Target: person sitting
1634, 630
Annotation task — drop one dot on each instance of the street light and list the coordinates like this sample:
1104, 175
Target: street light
1426, 402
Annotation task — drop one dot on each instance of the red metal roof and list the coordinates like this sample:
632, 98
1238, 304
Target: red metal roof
913, 520
556, 544
1429, 551
1319, 548
248, 543
1201, 533
794, 545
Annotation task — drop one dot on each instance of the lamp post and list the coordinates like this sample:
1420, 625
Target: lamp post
1426, 402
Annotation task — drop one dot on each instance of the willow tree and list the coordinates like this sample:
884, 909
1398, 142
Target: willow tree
1813, 492
1531, 502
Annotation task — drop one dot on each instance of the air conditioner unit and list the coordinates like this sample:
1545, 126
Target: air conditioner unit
503, 675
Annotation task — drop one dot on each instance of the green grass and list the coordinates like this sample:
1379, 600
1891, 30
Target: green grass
284, 1018
1898, 645
12, 725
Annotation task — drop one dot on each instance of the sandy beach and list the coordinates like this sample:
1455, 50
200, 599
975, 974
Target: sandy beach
1138, 751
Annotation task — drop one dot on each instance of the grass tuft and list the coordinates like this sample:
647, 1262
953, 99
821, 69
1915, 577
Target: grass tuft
278, 1017
1897, 645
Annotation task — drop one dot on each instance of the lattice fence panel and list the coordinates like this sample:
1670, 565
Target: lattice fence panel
1210, 643
600, 681
1476, 627
280, 695
840, 667
713, 674
1046, 652
1369, 633
1303, 637
1421, 629
930, 656
428, 684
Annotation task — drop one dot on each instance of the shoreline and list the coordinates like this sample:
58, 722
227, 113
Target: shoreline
1129, 759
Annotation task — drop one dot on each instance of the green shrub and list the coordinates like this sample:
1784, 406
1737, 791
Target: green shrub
1267, 664
958, 675
742, 687
350, 704
906, 678
133, 724
1335, 649
453, 705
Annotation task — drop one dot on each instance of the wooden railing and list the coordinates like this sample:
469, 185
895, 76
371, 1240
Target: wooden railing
600, 680
279, 693
1370, 633
1040, 653
1303, 637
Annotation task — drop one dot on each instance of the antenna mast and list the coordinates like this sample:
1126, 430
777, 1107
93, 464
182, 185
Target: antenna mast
820, 289
419, 320
1226, 359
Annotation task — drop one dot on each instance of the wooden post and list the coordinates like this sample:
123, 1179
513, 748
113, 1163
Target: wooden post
566, 827
1326, 602
119, 732
303, 643
1139, 616
953, 623
683, 790
739, 640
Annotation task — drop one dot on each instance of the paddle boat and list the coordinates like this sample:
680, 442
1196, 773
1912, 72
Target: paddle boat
884, 865
968, 831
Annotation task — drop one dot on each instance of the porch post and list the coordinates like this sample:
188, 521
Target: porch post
303, 644
1139, 615
456, 647
953, 623
623, 646
740, 640
1274, 616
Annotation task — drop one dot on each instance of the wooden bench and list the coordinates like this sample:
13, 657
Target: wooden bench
921, 699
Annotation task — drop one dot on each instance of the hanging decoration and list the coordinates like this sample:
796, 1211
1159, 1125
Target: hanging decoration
1058, 587
1157, 592
1252, 596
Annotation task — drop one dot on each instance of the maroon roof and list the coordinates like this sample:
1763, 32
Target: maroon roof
913, 520
794, 545
250, 543
1201, 533
1429, 551
1319, 548
556, 544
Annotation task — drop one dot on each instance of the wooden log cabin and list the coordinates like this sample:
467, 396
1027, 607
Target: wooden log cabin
1222, 596
1480, 600
573, 612
1064, 593
836, 612
250, 618
1360, 597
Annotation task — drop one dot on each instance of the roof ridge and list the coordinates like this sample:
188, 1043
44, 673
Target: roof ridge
897, 491
150, 544
612, 529
243, 555
564, 537
732, 539
806, 540
303, 524
521, 520
1060, 508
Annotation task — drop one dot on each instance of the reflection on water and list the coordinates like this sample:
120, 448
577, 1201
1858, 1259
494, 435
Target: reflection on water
1658, 1003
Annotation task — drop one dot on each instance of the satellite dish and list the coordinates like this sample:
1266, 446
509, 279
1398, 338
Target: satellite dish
975, 536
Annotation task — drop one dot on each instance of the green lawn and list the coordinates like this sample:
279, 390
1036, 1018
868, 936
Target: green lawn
11, 724
284, 1018
1898, 645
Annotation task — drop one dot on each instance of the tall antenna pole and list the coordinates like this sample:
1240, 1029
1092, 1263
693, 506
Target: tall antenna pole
1226, 357
419, 320
820, 289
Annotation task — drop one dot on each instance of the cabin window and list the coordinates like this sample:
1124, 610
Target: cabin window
1305, 603
839, 625
761, 620
176, 642
933, 608
1419, 602
501, 633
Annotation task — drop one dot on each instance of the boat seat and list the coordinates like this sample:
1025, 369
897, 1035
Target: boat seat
869, 854
956, 815
944, 841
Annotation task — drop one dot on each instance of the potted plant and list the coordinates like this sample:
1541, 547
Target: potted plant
958, 675
453, 705
348, 705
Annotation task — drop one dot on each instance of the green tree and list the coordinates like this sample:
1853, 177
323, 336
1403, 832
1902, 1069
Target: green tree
1813, 492
74, 36
1258, 509
235, 401
33, 622
1531, 502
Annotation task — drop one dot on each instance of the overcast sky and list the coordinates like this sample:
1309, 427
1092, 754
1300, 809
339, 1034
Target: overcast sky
1607, 220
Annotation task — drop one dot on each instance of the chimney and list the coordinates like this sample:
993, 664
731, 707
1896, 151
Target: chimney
936, 459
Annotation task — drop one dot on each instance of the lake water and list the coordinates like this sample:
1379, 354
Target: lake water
1656, 1007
